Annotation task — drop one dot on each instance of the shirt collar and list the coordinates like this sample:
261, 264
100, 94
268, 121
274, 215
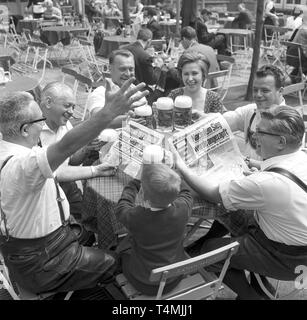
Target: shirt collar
9, 148
159, 209
278, 160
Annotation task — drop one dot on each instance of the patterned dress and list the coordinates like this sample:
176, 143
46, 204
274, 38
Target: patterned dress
212, 101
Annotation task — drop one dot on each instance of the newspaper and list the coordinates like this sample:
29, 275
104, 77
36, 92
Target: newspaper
127, 151
209, 148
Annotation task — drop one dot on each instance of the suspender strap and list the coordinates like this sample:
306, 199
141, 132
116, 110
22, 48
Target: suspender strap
59, 201
290, 176
249, 126
3, 217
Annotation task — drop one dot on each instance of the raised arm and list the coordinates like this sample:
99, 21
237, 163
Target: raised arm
116, 103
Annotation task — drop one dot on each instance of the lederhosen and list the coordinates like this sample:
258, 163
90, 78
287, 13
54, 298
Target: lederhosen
55, 262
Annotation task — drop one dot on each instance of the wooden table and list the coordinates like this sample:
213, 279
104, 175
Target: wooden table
238, 38
113, 22
112, 43
30, 24
21, 84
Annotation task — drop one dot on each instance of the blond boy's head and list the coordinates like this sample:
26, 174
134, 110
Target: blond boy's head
160, 184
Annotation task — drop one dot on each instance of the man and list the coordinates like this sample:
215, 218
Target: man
57, 105
300, 64
244, 19
273, 242
122, 68
216, 41
267, 90
144, 70
153, 25
51, 11
38, 246
190, 43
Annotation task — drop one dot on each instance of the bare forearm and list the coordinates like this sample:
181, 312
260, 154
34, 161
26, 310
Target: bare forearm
70, 173
209, 192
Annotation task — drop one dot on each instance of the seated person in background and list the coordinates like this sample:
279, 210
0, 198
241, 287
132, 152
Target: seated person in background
216, 41
193, 70
122, 68
52, 12
39, 248
190, 44
153, 25
244, 20
266, 211
57, 105
293, 22
157, 231
144, 70
91, 10
292, 59
111, 9
138, 9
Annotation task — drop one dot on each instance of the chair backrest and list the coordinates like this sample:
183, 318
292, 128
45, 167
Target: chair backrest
191, 266
295, 88
220, 79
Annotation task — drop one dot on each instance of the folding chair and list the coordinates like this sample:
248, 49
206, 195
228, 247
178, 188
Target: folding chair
30, 66
293, 57
296, 89
89, 86
277, 284
222, 81
72, 73
198, 284
19, 293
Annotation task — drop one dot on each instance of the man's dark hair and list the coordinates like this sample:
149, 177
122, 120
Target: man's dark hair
189, 33
120, 52
286, 121
270, 70
144, 34
151, 12
206, 11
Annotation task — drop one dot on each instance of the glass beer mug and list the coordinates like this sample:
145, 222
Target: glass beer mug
182, 112
164, 114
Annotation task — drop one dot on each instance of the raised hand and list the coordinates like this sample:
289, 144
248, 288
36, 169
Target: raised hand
120, 101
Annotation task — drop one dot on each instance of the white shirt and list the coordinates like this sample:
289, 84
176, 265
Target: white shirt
293, 24
49, 137
280, 203
28, 192
97, 99
239, 119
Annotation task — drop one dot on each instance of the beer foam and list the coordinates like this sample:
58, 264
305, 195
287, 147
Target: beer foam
183, 102
108, 135
143, 111
165, 103
153, 154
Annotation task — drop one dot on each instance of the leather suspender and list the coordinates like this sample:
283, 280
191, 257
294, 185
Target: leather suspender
290, 176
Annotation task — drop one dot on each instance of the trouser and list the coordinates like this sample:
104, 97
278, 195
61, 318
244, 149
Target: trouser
256, 252
56, 262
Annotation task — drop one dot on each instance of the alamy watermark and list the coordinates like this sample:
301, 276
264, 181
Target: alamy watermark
300, 281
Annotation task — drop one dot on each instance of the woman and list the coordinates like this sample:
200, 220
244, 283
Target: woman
294, 22
193, 70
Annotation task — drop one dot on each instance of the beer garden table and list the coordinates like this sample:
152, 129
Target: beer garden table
30, 24
101, 195
112, 43
55, 34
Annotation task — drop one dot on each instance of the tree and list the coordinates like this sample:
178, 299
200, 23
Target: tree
256, 49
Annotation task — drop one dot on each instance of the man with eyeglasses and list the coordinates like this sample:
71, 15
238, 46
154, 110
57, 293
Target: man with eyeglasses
58, 104
273, 241
39, 248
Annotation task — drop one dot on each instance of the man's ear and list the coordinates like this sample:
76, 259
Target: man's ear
48, 102
24, 130
281, 90
282, 142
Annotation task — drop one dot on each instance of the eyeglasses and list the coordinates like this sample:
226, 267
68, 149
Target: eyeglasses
33, 121
268, 133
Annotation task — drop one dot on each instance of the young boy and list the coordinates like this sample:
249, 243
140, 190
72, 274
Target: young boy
157, 232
